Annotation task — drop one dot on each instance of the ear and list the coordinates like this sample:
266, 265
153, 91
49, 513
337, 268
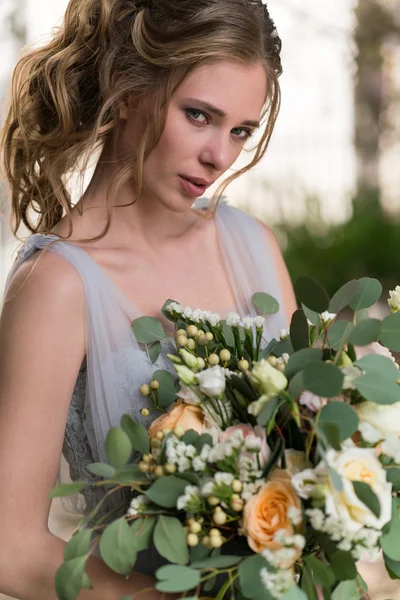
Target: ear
124, 110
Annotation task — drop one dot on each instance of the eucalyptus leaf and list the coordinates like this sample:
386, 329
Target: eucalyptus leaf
312, 294
170, 540
283, 347
101, 470
325, 379
336, 479
299, 333
165, 491
250, 581
393, 476
312, 316
148, 330
67, 489
321, 572
78, 546
338, 334
166, 313
190, 437
117, 548
142, 530
368, 497
390, 332
377, 390
346, 590
217, 562
294, 593
267, 411
166, 391
154, 350
71, 578
137, 434
344, 296
300, 359
118, 447
380, 366
266, 304
365, 332
341, 415
343, 565
176, 578
369, 293
202, 440
307, 584
392, 567
330, 434
296, 385
390, 540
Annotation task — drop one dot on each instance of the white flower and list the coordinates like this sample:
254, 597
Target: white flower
269, 381
391, 447
369, 433
208, 488
277, 583
304, 483
223, 478
259, 322
317, 518
212, 381
384, 417
327, 316
357, 464
350, 374
187, 312
233, 319
394, 300
137, 505
213, 318
175, 307
295, 515
191, 492
198, 464
185, 374
189, 395
284, 334
312, 402
196, 315
247, 322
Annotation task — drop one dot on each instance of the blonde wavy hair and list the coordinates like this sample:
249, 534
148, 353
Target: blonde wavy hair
66, 95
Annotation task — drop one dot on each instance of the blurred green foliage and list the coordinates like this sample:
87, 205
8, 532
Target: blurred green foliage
368, 245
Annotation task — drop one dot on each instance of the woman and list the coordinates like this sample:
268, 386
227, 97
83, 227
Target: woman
171, 89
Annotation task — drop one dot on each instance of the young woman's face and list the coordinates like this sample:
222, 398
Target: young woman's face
211, 116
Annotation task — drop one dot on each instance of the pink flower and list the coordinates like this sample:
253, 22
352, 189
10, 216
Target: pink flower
312, 402
248, 431
376, 348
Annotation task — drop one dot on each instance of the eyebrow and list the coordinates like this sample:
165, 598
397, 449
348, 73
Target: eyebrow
217, 111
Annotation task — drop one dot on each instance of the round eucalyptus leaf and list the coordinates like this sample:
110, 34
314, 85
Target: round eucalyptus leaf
380, 366
323, 379
118, 447
299, 333
390, 332
266, 304
312, 316
378, 390
176, 578
312, 294
344, 296
148, 330
166, 391
299, 360
365, 332
369, 293
338, 334
341, 415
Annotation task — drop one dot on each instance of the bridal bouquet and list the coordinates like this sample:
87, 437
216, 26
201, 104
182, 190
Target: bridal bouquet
272, 469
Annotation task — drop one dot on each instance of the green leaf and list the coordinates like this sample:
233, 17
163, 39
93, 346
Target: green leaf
166, 312
165, 491
118, 447
202, 440
283, 347
78, 546
249, 576
365, 332
299, 360
329, 432
130, 474
166, 391
338, 334
392, 567
390, 332
369, 293
393, 476
266, 304
174, 578
154, 350
170, 540
101, 470
117, 548
344, 296
148, 330
142, 530
380, 366
299, 334
341, 415
324, 379
267, 411
137, 434
346, 590
321, 573
312, 316
307, 584
343, 565
296, 385
67, 489
336, 479
217, 562
190, 437
312, 294
71, 578
377, 390
390, 541
294, 593
368, 497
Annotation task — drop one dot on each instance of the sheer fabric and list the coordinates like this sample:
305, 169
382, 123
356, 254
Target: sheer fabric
116, 365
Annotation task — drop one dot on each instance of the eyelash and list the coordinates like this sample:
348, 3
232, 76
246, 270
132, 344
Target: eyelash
196, 110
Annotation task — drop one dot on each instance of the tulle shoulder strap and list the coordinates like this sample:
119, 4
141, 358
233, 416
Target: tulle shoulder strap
248, 259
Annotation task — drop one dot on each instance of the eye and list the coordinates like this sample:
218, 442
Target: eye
247, 133
193, 115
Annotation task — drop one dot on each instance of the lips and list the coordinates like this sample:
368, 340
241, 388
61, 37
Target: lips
191, 188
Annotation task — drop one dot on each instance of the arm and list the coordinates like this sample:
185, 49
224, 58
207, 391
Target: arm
42, 345
284, 280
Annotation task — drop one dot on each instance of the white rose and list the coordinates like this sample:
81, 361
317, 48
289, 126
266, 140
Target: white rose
188, 395
357, 464
269, 380
369, 433
212, 381
304, 483
312, 402
394, 300
384, 417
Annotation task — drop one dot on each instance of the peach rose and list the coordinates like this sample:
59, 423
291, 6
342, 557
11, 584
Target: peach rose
267, 512
179, 415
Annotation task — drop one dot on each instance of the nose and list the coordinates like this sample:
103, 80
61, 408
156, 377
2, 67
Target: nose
218, 151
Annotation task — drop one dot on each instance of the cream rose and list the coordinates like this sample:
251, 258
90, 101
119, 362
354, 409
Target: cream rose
269, 381
266, 513
212, 381
180, 415
357, 464
384, 417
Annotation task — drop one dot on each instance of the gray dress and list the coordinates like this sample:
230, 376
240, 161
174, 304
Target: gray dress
116, 365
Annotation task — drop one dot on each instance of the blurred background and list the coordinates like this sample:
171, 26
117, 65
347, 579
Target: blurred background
329, 185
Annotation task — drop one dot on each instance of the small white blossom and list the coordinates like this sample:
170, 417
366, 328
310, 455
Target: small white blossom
369, 433
295, 515
284, 334
233, 319
137, 505
198, 464
175, 307
247, 322
212, 318
187, 312
252, 443
394, 300
283, 360
317, 518
327, 316
184, 464
191, 492
259, 321
196, 315
223, 478
208, 488
299, 541
312, 402
277, 583
304, 483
